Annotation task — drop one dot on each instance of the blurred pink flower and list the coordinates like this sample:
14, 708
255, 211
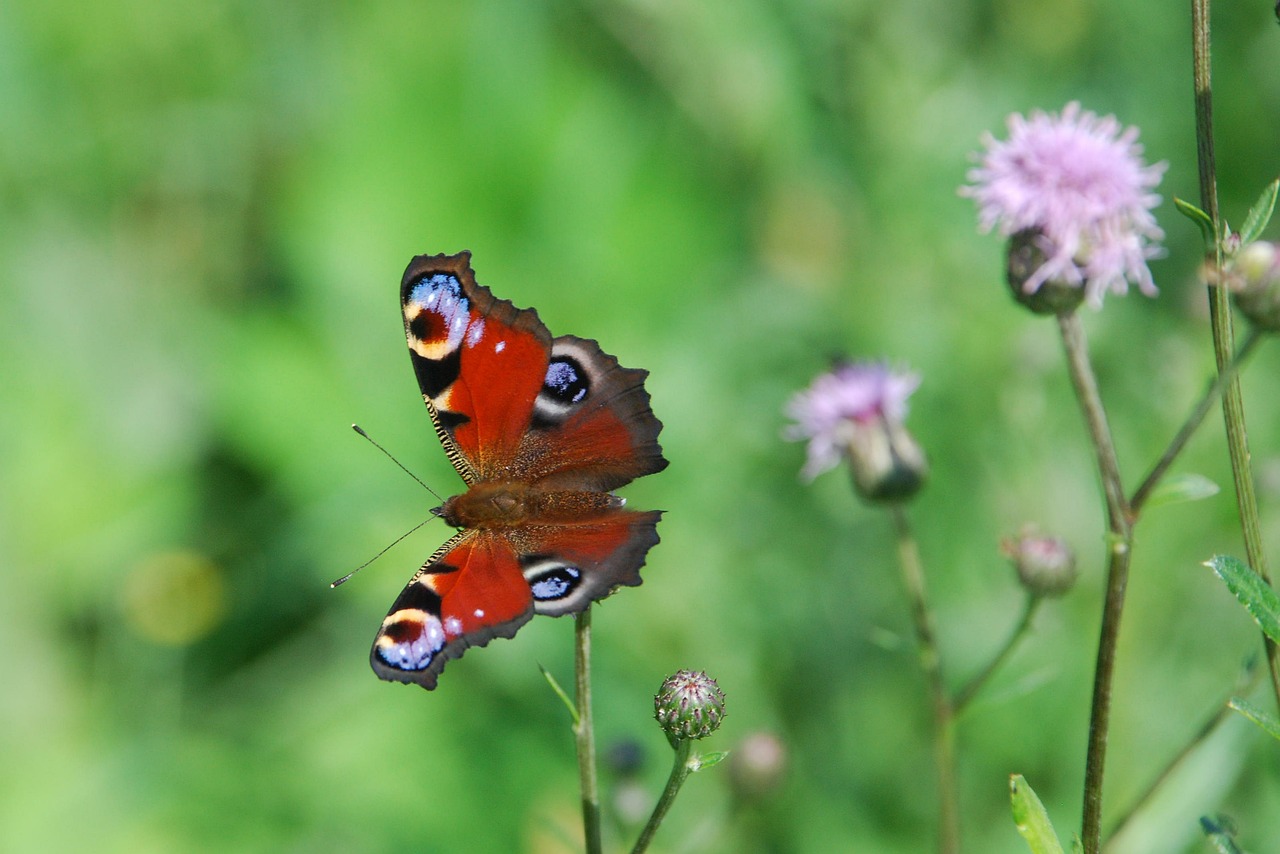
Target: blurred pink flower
839, 401
1080, 182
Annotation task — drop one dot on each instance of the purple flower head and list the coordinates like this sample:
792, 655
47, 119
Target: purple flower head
1080, 181
838, 402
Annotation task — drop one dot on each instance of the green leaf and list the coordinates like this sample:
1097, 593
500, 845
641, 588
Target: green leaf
1259, 214
706, 760
555, 686
1199, 217
1220, 833
1254, 593
1182, 487
1031, 819
1269, 723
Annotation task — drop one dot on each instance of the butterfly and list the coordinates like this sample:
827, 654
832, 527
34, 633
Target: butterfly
541, 430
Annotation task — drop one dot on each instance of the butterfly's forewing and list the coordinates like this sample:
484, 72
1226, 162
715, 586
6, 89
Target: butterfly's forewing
480, 361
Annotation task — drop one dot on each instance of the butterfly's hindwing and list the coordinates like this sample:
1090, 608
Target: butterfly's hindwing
472, 593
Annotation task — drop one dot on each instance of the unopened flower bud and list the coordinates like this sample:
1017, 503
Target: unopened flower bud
1023, 265
689, 705
1256, 281
1046, 566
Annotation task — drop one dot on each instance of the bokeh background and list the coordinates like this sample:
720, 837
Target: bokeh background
205, 209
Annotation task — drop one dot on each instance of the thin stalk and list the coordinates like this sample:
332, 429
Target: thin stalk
1119, 549
681, 768
974, 685
931, 663
584, 733
1086, 389
1211, 394
1220, 315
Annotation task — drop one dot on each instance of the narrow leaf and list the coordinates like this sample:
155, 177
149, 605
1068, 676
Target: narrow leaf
1254, 593
1259, 214
706, 760
1220, 833
1199, 217
1269, 723
1182, 487
555, 686
1031, 819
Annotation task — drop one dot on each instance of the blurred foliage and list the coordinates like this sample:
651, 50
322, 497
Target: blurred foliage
204, 212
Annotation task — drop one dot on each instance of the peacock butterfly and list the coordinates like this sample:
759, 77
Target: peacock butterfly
541, 430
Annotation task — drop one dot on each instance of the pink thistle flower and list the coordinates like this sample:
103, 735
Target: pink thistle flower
845, 404
1079, 182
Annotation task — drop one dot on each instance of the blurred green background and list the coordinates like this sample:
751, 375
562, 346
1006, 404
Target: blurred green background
205, 209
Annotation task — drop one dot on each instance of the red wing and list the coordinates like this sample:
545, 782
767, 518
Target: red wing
508, 401
485, 584
472, 590
568, 566
592, 427
480, 361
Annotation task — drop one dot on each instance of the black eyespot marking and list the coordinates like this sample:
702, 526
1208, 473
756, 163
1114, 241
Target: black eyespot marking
566, 382
565, 387
551, 580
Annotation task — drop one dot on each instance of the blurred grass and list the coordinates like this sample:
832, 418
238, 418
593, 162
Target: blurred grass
204, 211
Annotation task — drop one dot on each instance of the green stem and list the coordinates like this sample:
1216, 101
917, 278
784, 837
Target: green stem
974, 685
1119, 549
931, 663
1212, 393
584, 733
681, 768
1220, 315
1086, 388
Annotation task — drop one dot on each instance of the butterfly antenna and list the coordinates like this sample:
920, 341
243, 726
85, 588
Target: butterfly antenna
360, 430
381, 553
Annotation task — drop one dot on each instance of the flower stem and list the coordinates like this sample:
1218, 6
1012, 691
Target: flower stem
1086, 388
1119, 548
681, 768
1220, 316
584, 733
931, 663
1211, 394
974, 685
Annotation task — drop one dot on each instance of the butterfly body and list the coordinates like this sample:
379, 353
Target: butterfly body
542, 430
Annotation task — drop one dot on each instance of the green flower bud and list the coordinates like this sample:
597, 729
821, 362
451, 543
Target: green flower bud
1255, 279
1024, 260
689, 705
886, 461
1046, 566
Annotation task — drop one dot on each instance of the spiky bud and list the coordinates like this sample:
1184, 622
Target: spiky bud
689, 705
